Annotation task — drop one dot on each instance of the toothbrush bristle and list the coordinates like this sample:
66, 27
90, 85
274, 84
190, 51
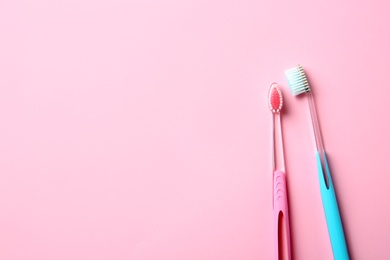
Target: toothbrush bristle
275, 99
297, 80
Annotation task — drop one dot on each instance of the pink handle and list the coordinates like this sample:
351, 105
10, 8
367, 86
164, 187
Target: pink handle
281, 214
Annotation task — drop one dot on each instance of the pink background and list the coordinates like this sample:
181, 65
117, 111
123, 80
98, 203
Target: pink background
140, 129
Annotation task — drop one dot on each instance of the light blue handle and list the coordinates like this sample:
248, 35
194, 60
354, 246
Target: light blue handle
332, 214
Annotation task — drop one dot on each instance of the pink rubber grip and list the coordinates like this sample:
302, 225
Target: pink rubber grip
281, 207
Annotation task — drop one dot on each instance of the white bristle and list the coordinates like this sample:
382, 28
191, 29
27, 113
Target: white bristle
297, 80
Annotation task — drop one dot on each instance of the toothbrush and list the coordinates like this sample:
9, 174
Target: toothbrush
298, 83
280, 202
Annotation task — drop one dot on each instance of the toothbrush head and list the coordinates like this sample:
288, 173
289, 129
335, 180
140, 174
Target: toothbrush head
297, 80
275, 99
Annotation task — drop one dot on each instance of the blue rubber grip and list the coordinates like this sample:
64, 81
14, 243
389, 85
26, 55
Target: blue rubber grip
332, 214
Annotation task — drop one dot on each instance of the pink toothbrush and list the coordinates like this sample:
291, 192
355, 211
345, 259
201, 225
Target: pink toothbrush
280, 202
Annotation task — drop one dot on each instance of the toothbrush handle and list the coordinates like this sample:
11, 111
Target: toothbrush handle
281, 210
332, 214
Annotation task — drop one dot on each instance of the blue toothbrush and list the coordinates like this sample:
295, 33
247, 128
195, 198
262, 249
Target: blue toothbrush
298, 83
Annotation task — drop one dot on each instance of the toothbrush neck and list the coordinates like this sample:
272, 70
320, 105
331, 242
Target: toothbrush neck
315, 123
318, 136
